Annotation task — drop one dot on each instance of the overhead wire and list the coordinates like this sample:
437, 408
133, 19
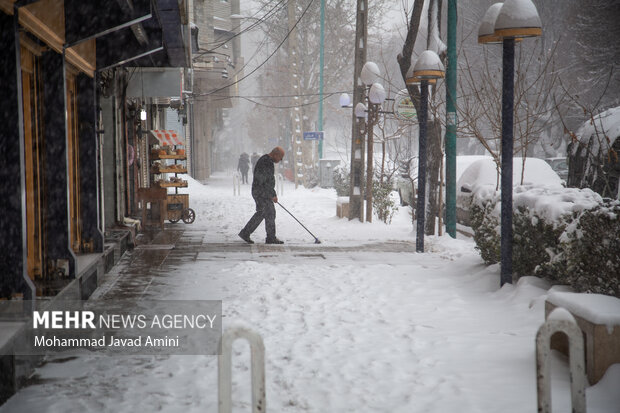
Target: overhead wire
266, 60
258, 21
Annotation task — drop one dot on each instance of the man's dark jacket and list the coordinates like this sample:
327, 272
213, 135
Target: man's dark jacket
264, 181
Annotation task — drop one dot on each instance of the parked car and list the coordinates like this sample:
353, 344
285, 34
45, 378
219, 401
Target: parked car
404, 183
483, 175
559, 165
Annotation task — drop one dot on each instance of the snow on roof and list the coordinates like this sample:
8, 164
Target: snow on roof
484, 172
541, 193
463, 162
596, 308
605, 123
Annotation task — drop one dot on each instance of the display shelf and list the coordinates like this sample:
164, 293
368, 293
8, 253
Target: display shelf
173, 184
156, 157
163, 142
168, 171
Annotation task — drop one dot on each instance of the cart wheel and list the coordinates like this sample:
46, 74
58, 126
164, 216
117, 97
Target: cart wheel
175, 216
188, 216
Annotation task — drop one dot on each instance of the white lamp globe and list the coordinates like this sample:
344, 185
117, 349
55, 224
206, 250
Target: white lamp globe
376, 95
370, 73
360, 110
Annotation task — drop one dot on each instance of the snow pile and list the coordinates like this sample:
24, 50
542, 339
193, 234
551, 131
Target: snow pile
347, 327
552, 202
596, 308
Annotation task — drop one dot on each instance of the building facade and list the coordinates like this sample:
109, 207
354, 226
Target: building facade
217, 66
73, 138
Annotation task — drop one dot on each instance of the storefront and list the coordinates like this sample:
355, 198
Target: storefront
53, 131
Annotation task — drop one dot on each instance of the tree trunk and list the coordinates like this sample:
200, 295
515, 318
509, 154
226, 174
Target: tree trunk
434, 155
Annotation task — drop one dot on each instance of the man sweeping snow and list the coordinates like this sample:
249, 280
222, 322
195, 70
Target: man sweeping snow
264, 194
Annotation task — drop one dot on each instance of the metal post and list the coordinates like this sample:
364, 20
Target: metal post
372, 115
321, 62
420, 208
257, 372
507, 149
566, 324
451, 122
356, 208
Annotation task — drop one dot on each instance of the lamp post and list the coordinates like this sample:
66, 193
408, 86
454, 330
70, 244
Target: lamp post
506, 23
427, 68
366, 116
376, 96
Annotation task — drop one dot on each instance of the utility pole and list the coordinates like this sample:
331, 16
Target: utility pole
451, 122
296, 113
356, 208
321, 63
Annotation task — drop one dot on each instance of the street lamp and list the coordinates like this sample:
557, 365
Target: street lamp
427, 68
376, 96
507, 23
366, 116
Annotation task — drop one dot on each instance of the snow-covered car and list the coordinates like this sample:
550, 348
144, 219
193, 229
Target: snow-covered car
559, 165
404, 183
484, 174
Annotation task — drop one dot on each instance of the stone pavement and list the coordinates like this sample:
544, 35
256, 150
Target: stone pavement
158, 252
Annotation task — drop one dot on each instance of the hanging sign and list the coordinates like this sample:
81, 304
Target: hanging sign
403, 107
313, 136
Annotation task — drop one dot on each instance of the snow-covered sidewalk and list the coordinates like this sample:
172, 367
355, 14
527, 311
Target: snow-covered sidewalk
355, 330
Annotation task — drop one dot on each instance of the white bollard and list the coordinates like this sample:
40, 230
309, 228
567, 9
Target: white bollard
257, 351
560, 320
236, 183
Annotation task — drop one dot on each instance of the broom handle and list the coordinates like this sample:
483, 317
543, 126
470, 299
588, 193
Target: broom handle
297, 220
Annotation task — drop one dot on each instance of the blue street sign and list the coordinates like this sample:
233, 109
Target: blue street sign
313, 136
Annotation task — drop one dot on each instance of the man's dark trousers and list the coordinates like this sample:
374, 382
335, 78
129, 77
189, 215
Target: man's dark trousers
265, 209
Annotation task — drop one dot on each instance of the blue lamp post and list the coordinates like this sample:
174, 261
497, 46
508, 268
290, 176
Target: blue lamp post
506, 23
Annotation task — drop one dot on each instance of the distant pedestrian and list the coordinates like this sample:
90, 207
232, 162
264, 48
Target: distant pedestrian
264, 194
243, 166
254, 158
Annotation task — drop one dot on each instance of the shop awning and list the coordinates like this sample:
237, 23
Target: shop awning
167, 137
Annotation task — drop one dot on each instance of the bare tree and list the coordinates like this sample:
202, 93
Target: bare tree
537, 99
435, 151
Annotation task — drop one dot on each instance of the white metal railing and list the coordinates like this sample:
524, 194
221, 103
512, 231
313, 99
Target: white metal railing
560, 320
236, 183
257, 356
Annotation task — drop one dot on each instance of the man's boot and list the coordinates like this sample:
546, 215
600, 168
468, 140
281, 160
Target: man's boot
245, 237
